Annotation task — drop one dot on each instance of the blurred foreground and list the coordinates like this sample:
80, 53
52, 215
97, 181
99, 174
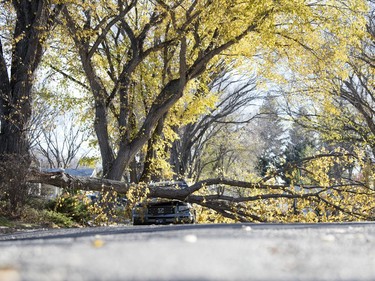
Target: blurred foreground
192, 252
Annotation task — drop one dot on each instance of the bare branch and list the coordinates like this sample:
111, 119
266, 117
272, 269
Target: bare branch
69, 77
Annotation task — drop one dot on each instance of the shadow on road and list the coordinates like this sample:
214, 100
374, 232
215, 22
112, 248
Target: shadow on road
129, 229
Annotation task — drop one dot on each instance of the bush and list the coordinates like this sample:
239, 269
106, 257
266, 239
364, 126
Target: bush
30, 217
51, 219
45, 218
70, 206
68, 210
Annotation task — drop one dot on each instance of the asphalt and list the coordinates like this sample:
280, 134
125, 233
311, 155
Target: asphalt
343, 251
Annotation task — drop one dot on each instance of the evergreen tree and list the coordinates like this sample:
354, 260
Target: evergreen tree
272, 135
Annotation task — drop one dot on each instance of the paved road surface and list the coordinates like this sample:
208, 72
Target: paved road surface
192, 252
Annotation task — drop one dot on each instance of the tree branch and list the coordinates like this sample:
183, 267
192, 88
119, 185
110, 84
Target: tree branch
68, 76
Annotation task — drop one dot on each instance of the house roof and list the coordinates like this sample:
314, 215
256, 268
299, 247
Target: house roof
81, 172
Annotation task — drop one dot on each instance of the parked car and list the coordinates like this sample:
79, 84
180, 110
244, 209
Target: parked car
157, 211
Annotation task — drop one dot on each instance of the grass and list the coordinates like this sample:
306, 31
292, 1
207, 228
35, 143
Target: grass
5, 222
10, 225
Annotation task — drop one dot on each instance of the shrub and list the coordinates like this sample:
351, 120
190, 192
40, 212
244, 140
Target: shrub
51, 219
71, 206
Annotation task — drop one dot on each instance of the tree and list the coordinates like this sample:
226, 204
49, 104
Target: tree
142, 45
19, 59
55, 134
228, 114
118, 41
340, 112
355, 95
25, 27
272, 136
60, 143
341, 108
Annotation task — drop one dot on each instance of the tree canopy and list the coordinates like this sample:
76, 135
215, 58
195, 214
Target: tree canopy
139, 60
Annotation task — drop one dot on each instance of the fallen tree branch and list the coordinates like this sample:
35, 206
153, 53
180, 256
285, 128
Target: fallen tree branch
228, 205
64, 180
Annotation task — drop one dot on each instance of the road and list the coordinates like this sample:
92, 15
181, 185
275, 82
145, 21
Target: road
192, 252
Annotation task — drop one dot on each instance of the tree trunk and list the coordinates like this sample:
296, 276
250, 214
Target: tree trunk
171, 93
34, 20
101, 129
15, 92
147, 174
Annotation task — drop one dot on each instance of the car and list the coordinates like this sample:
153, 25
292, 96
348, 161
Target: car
163, 212
157, 211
